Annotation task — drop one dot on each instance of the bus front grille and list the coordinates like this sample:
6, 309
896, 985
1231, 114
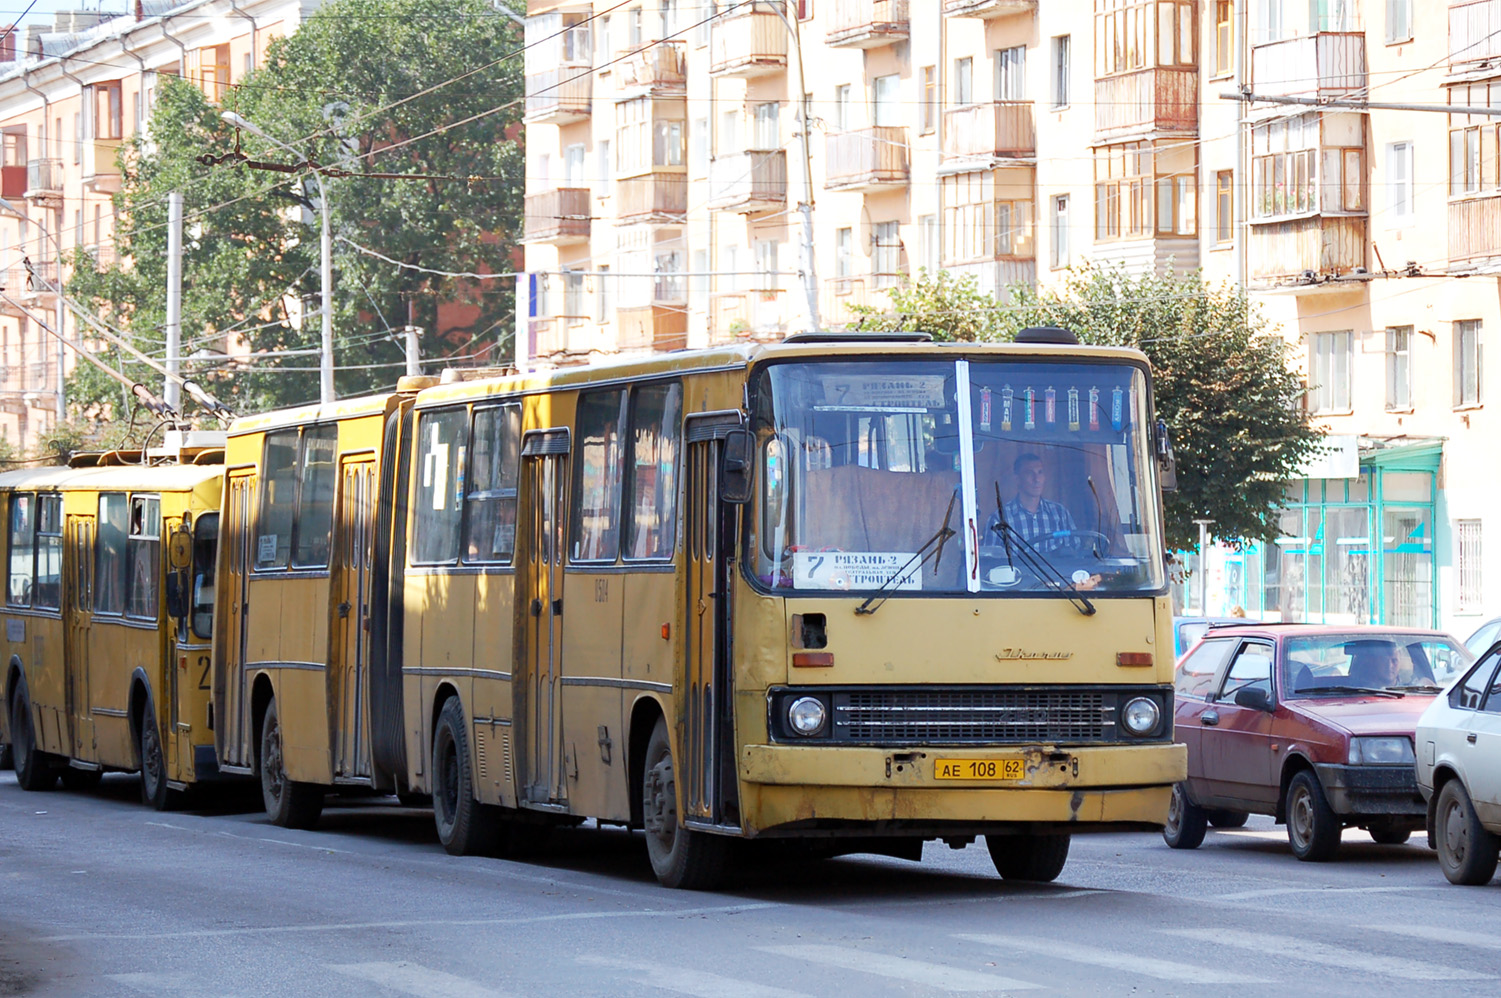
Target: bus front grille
914, 716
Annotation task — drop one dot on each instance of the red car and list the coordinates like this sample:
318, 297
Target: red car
1312, 724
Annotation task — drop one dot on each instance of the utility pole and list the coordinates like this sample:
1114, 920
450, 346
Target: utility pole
804, 133
172, 391
414, 366
1204, 565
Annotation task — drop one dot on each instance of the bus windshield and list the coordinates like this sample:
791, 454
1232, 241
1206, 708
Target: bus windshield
1039, 467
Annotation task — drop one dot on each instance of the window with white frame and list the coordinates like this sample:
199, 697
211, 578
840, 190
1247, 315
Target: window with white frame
1467, 363
604, 297
927, 227
1399, 181
1398, 368
698, 281
633, 136
1135, 34
768, 125
1060, 257
887, 255
707, 11
1224, 37
669, 145
667, 273
964, 81
1469, 591
844, 252
573, 165
1142, 190
1309, 163
604, 168
573, 295
729, 140
884, 110
1224, 206
1011, 73
698, 147
1398, 20
1329, 371
767, 252
980, 222
928, 120
1061, 60
843, 98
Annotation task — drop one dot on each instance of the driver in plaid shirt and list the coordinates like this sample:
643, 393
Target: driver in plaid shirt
1032, 516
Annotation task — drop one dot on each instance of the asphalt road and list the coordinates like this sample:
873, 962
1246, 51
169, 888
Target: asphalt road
100, 896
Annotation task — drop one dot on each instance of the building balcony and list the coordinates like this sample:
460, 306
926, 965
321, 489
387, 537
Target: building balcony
653, 327
1003, 129
867, 159
751, 181
738, 316
1474, 35
12, 181
559, 216
660, 69
987, 9
1327, 64
1146, 101
843, 295
1475, 232
44, 181
101, 172
560, 96
31, 284
747, 44
1283, 251
867, 24
652, 197
565, 339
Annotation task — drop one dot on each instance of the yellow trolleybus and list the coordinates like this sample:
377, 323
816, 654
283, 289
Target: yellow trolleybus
107, 615
871, 592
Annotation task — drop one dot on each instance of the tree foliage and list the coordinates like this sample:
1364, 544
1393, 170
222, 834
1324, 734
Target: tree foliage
1223, 385
362, 88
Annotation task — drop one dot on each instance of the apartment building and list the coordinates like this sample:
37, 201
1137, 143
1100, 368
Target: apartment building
69, 97
668, 170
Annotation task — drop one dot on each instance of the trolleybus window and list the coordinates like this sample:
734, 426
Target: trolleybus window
48, 590
490, 516
440, 486
597, 471
112, 571
205, 551
273, 529
656, 417
315, 500
22, 547
143, 550
1039, 467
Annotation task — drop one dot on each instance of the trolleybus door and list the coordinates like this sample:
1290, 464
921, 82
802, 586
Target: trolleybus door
544, 480
232, 699
78, 608
352, 614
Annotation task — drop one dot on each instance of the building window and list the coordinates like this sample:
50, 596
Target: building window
1398, 368
1467, 363
1224, 37
1468, 172
768, 128
1307, 164
603, 168
633, 144
843, 98
573, 295
1330, 371
888, 254
668, 145
1224, 202
667, 277
1399, 180
1011, 73
885, 112
77, 138
964, 81
1141, 191
980, 222
1139, 35
1467, 567
929, 111
1398, 20
844, 252
604, 293
1060, 70
927, 226
1060, 232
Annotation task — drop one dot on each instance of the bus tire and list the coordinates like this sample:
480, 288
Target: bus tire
1030, 858
288, 803
155, 792
680, 857
465, 826
81, 779
34, 771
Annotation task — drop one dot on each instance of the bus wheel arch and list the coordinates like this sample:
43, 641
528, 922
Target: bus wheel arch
34, 769
644, 714
139, 703
681, 857
261, 695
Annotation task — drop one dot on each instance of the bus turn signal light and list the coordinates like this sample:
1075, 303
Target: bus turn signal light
1133, 658
666, 631
812, 659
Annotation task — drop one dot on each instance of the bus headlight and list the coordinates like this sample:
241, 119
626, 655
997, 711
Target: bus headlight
806, 715
1140, 716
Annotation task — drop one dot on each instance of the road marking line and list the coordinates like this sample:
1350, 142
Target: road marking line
930, 975
1271, 892
1458, 937
1167, 970
1330, 956
699, 983
415, 979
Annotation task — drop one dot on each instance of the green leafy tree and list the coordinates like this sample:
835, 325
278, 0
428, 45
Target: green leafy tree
365, 89
1223, 385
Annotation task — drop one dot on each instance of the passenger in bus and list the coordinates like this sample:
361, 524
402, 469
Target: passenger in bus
1035, 518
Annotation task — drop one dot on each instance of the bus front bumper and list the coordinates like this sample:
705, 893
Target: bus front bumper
798, 786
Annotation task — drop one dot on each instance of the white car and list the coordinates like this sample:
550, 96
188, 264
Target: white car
1458, 746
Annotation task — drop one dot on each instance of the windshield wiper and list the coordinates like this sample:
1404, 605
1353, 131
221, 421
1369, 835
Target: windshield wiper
1419, 688
920, 556
1369, 690
1035, 560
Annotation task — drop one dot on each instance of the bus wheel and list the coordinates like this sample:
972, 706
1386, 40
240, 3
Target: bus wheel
288, 803
34, 771
154, 790
680, 857
1036, 858
465, 826
81, 779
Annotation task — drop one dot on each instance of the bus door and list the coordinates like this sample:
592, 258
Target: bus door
707, 780
231, 698
544, 476
78, 609
351, 589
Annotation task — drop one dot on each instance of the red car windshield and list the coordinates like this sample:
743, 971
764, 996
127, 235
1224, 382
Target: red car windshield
1333, 664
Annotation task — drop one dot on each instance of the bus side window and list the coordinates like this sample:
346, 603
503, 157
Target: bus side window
205, 550
48, 588
22, 546
490, 508
111, 568
143, 552
596, 472
656, 418
273, 528
439, 503
315, 501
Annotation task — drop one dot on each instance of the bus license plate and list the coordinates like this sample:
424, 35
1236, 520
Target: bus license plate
978, 769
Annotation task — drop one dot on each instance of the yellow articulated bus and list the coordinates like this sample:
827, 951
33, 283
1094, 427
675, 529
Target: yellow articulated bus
864, 591
107, 616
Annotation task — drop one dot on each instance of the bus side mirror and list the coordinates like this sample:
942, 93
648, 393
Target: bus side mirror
1167, 464
736, 466
177, 599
